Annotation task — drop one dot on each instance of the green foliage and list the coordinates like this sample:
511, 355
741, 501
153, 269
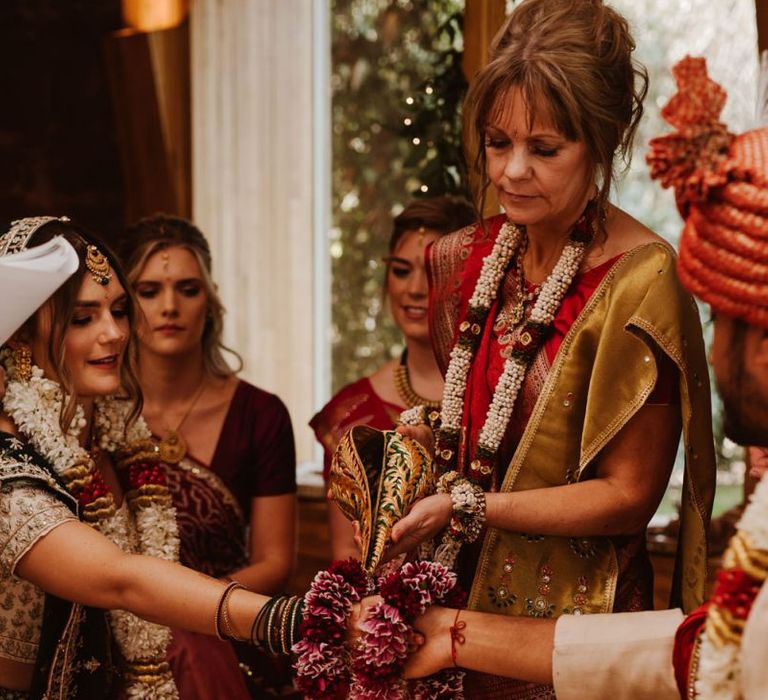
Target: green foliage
392, 60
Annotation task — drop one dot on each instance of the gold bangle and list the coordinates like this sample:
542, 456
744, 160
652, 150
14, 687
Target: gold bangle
270, 623
222, 614
292, 628
285, 624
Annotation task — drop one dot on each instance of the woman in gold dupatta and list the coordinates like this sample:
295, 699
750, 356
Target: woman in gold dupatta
573, 356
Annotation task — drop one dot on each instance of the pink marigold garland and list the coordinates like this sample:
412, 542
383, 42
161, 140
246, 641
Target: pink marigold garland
377, 668
321, 664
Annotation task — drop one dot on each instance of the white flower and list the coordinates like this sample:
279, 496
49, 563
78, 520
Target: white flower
719, 674
508, 387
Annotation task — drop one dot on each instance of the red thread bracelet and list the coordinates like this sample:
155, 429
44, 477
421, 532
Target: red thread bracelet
456, 635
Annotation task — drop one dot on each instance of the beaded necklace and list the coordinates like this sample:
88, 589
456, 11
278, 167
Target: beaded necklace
533, 333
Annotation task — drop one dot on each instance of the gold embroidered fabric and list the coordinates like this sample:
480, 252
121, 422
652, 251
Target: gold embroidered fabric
589, 395
27, 513
447, 257
375, 477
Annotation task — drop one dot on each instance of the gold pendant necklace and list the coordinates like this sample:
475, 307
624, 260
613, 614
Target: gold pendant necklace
526, 295
173, 446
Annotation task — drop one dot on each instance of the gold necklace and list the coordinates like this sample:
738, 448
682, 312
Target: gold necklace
173, 446
510, 317
409, 397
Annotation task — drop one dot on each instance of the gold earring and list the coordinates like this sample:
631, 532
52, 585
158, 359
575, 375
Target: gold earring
22, 359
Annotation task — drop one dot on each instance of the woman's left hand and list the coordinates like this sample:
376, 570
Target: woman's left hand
426, 518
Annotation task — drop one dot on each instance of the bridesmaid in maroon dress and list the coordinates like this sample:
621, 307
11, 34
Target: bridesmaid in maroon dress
229, 446
414, 378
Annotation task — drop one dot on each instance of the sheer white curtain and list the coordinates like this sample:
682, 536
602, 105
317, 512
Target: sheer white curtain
258, 189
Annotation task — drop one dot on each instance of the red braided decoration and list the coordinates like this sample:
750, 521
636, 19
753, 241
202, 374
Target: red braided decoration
694, 158
752, 225
721, 186
732, 242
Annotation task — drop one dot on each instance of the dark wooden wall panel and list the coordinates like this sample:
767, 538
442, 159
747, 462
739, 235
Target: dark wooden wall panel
57, 140
150, 85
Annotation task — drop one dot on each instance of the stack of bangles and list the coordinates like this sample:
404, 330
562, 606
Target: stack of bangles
468, 506
276, 627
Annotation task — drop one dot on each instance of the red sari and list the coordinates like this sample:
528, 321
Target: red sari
354, 404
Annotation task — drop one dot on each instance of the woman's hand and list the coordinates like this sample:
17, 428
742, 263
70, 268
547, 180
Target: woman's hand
422, 434
359, 615
434, 652
426, 518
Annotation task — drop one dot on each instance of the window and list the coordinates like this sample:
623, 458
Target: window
385, 57
725, 33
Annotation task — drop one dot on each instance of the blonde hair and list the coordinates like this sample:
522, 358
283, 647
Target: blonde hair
572, 61
159, 232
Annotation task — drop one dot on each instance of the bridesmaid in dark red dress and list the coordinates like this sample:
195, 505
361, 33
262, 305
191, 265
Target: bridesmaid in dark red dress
414, 378
229, 446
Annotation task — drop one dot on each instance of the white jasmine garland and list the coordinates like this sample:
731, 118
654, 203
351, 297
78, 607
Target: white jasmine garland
494, 267
35, 407
508, 387
548, 302
413, 415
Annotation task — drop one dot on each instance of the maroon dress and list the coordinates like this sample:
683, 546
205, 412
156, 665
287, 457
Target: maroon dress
254, 456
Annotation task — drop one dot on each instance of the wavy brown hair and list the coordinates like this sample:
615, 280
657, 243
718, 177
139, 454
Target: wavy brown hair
443, 214
158, 232
60, 308
572, 61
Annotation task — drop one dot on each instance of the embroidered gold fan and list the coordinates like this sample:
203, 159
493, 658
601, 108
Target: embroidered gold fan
375, 478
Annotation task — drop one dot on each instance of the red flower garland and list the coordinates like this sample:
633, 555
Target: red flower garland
377, 669
321, 668
147, 473
322, 664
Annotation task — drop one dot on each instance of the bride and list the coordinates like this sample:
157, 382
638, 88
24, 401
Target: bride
86, 523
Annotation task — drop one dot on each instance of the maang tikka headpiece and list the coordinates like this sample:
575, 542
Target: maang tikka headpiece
98, 265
